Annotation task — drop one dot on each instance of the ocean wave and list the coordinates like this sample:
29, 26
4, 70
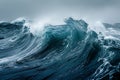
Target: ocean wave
58, 52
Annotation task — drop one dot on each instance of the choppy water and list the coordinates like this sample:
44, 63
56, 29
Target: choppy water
60, 52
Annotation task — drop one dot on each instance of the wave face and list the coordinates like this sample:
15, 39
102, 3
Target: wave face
61, 52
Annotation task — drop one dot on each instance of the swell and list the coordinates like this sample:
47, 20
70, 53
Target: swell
62, 52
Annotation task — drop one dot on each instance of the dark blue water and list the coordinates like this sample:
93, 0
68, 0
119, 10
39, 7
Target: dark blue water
61, 52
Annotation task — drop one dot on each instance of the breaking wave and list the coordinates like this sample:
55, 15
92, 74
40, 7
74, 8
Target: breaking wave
59, 52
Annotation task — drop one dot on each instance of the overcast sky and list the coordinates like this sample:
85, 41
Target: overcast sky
90, 10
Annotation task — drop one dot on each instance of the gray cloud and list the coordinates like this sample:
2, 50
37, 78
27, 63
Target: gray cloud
91, 10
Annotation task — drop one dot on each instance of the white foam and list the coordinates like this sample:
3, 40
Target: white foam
38, 25
98, 27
